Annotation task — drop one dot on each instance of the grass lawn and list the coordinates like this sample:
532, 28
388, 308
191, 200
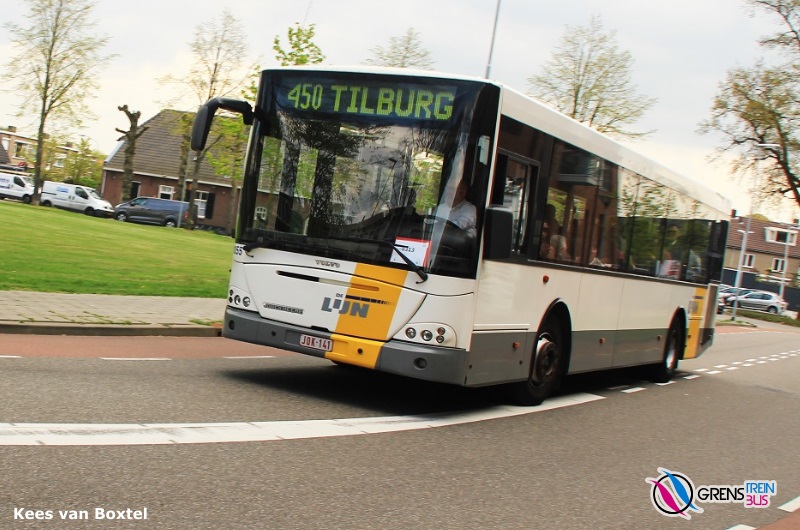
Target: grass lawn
50, 250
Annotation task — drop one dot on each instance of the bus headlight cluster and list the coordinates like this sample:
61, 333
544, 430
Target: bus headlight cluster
240, 299
430, 333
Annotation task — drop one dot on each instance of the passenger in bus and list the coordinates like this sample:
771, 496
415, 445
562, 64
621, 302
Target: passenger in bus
550, 219
544, 248
594, 259
558, 248
461, 213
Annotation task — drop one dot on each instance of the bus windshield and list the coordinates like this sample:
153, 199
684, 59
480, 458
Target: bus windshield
363, 170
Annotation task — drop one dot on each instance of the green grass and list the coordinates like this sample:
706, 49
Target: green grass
51, 250
759, 315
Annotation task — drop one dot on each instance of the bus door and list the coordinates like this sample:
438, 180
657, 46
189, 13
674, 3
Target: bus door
519, 180
501, 338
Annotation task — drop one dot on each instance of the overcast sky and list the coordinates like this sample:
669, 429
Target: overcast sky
682, 50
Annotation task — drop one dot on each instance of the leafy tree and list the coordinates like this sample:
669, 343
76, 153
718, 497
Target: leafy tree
760, 106
302, 49
589, 79
55, 67
219, 68
85, 166
405, 51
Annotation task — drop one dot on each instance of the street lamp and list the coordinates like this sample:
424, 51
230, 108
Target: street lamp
785, 258
745, 233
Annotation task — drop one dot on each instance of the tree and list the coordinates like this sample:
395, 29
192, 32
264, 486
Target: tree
760, 106
302, 49
588, 78
56, 64
131, 135
405, 51
219, 68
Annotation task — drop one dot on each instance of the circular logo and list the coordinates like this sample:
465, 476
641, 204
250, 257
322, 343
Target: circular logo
672, 494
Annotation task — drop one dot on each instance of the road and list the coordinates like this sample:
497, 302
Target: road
210, 433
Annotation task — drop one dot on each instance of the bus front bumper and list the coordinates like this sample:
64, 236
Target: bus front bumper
429, 363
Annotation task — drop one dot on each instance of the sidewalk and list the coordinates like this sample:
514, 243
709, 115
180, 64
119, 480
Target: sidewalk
94, 314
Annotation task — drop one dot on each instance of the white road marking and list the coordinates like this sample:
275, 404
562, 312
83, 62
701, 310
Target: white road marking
251, 357
712, 372
791, 506
691, 376
10, 357
135, 359
194, 433
742, 527
632, 390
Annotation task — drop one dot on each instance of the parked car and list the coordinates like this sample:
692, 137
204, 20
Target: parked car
733, 293
152, 210
762, 301
720, 305
74, 197
16, 186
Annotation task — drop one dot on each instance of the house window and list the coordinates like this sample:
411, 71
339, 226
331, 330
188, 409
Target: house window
777, 235
778, 265
201, 201
60, 160
22, 150
749, 260
166, 192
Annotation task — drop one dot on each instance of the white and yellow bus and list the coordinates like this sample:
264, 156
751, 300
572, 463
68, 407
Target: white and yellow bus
572, 253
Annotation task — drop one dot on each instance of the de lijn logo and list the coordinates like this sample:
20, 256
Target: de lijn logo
674, 495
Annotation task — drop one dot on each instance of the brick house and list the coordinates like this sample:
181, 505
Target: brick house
156, 166
16, 149
772, 248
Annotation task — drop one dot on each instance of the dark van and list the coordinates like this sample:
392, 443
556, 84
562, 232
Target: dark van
151, 210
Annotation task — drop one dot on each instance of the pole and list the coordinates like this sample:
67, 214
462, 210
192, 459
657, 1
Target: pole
491, 46
738, 281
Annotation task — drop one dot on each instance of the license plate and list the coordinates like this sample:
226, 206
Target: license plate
315, 342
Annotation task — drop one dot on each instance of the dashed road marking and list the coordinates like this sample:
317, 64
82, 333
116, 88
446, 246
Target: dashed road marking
632, 390
135, 359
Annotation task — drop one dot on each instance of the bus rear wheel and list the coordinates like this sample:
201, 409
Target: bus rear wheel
663, 371
547, 367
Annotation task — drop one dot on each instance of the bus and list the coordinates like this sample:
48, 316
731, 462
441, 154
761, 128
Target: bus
580, 256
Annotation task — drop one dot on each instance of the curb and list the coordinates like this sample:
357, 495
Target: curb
109, 330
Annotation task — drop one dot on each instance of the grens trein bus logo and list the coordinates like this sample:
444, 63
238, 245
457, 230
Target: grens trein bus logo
354, 306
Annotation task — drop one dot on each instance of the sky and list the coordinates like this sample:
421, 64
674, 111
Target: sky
681, 50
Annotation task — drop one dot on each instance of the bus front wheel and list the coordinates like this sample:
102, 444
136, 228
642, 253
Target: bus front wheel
663, 371
547, 367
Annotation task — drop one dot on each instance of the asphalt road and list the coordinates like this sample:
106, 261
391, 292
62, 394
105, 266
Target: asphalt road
421, 456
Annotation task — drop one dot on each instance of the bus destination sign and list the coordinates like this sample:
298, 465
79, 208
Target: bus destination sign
380, 100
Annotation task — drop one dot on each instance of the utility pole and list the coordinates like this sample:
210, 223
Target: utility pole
491, 46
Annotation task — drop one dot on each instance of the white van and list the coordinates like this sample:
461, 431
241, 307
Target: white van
16, 186
73, 197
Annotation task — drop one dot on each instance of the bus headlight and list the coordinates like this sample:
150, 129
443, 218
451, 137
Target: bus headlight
240, 299
428, 332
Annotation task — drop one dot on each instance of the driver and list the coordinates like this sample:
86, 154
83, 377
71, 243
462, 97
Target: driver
461, 213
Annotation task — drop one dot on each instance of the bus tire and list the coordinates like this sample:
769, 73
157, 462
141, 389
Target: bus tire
548, 360
663, 371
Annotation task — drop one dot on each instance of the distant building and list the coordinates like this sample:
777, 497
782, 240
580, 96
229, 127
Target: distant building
16, 149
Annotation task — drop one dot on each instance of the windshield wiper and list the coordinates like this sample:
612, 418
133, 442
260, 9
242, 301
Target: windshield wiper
301, 246
413, 266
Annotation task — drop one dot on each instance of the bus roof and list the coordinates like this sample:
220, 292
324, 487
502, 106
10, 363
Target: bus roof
540, 116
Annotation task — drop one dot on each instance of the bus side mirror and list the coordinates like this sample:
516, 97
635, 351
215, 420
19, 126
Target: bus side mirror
498, 231
205, 115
